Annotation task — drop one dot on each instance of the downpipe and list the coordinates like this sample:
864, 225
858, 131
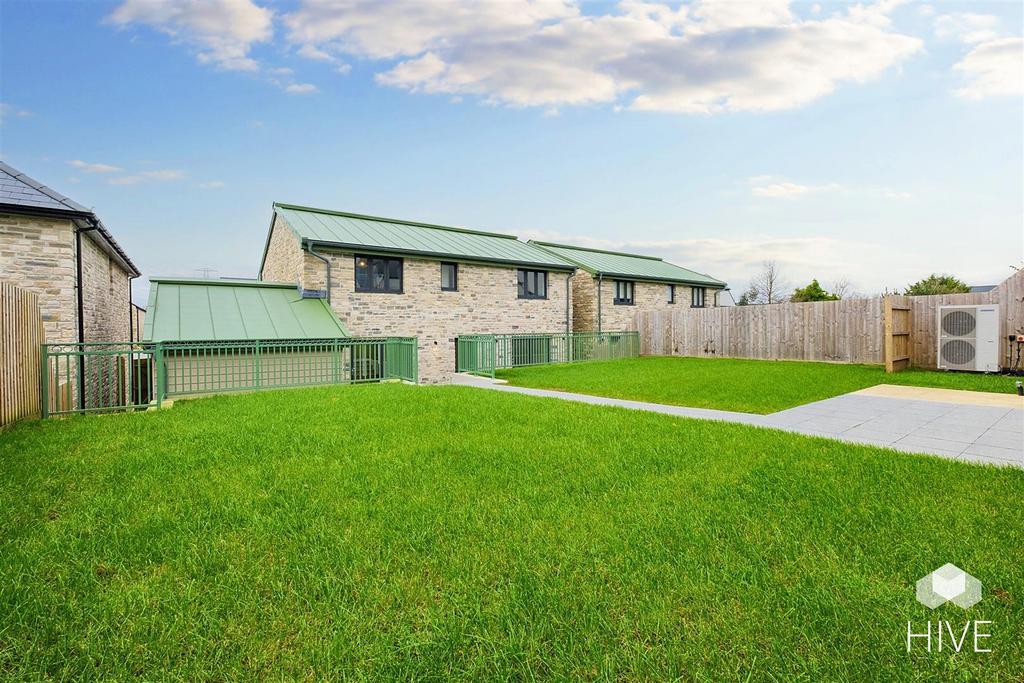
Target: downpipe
327, 262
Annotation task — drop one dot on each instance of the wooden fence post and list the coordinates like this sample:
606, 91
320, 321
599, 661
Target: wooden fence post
897, 335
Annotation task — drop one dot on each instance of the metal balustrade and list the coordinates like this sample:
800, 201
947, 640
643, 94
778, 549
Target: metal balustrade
482, 354
106, 377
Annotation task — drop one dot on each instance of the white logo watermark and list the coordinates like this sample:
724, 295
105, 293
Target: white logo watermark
948, 583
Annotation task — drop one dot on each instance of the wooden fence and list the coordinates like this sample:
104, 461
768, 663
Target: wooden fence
21, 334
846, 331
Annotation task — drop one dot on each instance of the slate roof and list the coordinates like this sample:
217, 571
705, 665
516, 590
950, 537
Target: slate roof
389, 235
629, 266
194, 310
26, 195
17, 189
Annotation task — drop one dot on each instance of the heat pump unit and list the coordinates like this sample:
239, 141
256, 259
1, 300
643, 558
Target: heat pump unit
969, 338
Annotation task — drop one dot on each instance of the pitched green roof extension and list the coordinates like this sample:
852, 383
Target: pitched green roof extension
181, 310
628, 266
373, 234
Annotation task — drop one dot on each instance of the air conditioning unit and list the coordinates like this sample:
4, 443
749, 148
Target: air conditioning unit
969, 338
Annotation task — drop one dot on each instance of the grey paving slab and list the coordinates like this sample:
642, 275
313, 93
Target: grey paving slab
978, 434
1010, 440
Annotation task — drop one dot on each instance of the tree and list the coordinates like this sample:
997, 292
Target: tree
812, 292
937, 284
843, 289
748, 297
767, 286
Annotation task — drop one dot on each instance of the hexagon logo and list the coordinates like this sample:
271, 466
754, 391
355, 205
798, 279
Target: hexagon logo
948, 583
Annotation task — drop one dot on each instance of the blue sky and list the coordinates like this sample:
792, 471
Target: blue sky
874, 143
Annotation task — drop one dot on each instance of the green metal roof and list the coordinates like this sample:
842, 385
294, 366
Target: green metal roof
632, 266
372, 233
234, 310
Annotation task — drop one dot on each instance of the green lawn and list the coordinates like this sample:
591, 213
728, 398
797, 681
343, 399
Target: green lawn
751, 386
439, 533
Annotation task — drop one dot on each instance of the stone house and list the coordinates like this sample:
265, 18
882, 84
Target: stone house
610, 287
61, 250
389, 277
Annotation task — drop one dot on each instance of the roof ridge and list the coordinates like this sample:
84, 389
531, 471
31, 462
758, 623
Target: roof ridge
400, 221
597, 251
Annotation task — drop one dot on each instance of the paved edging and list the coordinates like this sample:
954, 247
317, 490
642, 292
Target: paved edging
983, 434
959, 396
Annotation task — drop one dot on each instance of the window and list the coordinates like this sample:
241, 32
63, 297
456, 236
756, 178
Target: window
533, 284
378, 274
697, 297
671, 294
449, 277
623, 293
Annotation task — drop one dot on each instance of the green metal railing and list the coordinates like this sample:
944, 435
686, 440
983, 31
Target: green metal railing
482, 354
104, 377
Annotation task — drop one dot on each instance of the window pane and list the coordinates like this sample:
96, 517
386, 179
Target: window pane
542, 284
521, 282
379, 273
448, 276
394, 275
362, 274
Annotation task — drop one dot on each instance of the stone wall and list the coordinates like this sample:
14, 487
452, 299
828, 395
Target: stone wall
284, 257
38, 254
584, 302
105, 294
486, 302
647, 296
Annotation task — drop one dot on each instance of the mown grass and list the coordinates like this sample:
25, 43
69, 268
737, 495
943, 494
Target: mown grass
440, 533
750, 386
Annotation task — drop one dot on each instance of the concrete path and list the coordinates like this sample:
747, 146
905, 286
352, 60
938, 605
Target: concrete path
992, 434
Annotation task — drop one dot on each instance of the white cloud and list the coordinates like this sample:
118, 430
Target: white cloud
163, 175
993, 68
777, 188
967, 27
11, 110
300, 88
212, 185
93, 168
770, 186
707, 57
221, 31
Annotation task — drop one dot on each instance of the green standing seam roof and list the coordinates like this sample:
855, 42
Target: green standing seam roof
235, 310
372, 233
617, 264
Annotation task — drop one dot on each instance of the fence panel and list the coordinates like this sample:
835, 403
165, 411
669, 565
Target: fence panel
21, 333
97, 377
848, 331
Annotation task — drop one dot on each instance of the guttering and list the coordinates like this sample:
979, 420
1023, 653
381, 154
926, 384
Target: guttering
440, 256
312, 251
665, 280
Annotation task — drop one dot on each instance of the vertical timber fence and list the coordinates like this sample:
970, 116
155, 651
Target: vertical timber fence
123, 376
21, 333
896, 330
482, 354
